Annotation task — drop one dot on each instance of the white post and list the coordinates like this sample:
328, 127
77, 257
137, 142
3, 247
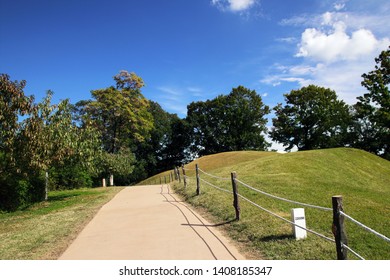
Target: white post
104, 182
298, 217
111, 180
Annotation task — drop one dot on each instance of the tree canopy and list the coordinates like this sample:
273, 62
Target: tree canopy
120, 113
372, 111
230, 122
46, 137
312, 118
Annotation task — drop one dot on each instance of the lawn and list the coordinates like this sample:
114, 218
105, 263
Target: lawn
44, 230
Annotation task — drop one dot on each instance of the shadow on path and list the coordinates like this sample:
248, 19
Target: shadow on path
176, 203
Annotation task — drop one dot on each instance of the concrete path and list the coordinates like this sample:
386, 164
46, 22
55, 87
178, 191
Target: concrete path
149, 223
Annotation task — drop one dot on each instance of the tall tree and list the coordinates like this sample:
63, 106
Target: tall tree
312, 118
120, 113
44, 138
167, 145
49, 139
228, 123
13, 103
15, 189
372, 129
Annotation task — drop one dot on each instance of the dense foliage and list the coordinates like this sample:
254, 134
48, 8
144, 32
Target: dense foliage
312, 118
233, 122
45, 140
372, 111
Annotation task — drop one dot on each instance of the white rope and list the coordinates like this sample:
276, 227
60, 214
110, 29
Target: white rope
284, 199
365, 227
353, 252
187, 169
224, 190
268, 211
273, 214
211, 175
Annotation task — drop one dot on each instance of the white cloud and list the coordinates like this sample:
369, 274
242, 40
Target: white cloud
240, 5
337, 44
176, 98
375, 21
339, 6
195, 91
335, 49
233, 5
289, 40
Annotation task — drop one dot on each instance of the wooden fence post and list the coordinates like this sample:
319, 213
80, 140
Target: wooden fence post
236, 202
178, 174
184, 176
165, 179
197, 180
338, 227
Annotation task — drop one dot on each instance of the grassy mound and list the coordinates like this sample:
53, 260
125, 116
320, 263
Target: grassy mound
311, 177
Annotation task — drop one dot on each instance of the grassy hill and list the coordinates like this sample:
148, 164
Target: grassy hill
311, 177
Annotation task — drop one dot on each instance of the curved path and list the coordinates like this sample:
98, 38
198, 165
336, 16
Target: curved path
149, 223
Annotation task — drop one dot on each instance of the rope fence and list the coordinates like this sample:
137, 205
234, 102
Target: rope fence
264, 209
284, 199
365, 227
353, 252
214, 186
284, 219
338, 223
213, 176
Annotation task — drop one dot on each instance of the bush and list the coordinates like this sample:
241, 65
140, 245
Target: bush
19, 191
69, 177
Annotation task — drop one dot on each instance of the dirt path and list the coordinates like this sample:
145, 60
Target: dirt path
149, 223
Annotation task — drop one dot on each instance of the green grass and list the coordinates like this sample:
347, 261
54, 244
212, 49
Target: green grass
44, 230
311, 177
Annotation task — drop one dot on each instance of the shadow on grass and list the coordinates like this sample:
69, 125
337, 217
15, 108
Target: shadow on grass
62, 196
271, 238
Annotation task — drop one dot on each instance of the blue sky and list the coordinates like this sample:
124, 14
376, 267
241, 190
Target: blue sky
192, 50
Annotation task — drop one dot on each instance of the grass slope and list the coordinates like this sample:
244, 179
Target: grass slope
311, 177
44, 230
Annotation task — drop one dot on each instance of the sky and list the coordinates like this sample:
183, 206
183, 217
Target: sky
192, 50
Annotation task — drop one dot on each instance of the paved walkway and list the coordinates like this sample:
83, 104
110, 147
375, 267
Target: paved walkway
149, 223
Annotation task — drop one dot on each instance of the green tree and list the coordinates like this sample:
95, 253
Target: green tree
231, 122
120, 113
16, 186
13, 104
166, 147
372, 111
44, 138
120, 165
177, 150
51, 141
49, 136
312, 118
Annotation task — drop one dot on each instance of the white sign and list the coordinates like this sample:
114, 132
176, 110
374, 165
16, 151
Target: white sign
298, 218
